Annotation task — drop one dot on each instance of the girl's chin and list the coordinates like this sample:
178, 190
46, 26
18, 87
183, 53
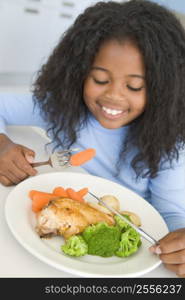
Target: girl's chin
113, 122
111, 125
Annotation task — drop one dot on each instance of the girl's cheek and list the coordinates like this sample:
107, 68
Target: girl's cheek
92, 91
139, 104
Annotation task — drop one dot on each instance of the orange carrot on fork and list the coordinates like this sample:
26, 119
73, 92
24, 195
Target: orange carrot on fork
40, 199
72, 194
60, 191
82, 157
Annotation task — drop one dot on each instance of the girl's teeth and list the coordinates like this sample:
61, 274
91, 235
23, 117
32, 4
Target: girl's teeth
111, 111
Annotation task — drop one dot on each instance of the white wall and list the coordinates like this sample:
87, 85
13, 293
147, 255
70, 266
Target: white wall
31, 28
29, 31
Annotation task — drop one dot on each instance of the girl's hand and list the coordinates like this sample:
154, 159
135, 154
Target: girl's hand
171, 250
15, 162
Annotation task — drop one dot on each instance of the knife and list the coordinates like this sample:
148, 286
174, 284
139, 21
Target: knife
145, 235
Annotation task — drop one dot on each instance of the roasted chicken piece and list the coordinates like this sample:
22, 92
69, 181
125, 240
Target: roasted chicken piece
67, 217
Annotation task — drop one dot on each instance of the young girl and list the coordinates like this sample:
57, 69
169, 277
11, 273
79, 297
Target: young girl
115, 83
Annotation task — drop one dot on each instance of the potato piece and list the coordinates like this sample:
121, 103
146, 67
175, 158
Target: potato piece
100, 208
135, 219
111, 201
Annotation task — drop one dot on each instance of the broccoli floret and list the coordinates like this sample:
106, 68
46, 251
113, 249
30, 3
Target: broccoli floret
122, 225
75, 246
102, 239
129, 243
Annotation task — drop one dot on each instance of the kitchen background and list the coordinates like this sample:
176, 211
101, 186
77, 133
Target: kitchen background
29, 30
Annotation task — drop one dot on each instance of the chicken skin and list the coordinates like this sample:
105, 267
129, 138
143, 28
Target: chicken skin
67, 217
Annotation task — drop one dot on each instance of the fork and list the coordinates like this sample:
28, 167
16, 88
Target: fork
65, 158
143, 233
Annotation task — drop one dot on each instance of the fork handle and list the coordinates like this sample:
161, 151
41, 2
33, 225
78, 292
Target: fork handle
38, 164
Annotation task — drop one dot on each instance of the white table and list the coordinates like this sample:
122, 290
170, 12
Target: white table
15, 261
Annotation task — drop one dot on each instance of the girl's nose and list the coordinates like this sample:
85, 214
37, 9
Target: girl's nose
115, 92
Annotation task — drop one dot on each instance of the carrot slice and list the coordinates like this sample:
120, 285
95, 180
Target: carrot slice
31, 193
40, 199
83, 192
72, 194
82, 157
60, 191
36, 192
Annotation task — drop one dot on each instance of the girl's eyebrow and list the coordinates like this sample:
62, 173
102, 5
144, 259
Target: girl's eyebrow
105, 70
136, 75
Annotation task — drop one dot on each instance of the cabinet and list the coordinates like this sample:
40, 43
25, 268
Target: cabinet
23, 36
30, 29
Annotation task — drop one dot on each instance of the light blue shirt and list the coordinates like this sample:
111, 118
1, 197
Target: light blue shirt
166, 192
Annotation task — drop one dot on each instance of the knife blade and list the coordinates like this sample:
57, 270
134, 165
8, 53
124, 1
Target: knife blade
144, 234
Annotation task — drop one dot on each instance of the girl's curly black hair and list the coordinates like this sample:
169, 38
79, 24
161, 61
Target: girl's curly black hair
159, 133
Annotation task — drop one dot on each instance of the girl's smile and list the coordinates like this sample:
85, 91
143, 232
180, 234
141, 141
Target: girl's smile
114, 90
111, 112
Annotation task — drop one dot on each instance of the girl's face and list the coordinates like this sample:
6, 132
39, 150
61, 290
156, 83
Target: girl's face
114, 90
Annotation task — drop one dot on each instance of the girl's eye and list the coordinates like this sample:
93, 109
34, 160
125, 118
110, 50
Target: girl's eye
100, 82
134, 89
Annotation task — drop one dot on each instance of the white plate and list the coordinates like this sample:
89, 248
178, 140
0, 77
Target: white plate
21, 221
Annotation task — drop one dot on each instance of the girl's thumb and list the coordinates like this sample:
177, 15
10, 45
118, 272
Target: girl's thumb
29, 154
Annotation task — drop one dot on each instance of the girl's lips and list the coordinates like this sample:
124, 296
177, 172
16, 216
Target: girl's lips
113, 117
111, 107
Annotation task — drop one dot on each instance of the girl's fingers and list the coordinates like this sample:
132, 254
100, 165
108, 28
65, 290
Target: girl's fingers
179, 269
5, 181
177, 257
23, 165
14, 167
28, 154
12, 177
172, 242
15, 174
